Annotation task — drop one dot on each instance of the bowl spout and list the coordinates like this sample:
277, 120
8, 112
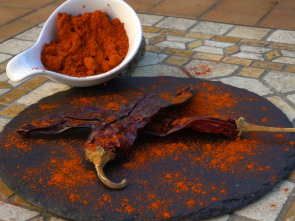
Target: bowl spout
25, 64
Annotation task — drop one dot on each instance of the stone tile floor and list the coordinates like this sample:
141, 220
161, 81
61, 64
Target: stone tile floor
261, 60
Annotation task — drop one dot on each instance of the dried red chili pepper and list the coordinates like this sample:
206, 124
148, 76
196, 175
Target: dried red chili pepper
108, 137
112, 132
200, 124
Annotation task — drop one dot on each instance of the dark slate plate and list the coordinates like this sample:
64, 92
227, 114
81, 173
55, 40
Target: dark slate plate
176, 177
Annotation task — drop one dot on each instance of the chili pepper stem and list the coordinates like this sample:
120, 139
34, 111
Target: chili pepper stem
100, 158
244, 126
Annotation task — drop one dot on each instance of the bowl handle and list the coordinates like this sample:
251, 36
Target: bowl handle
21, 66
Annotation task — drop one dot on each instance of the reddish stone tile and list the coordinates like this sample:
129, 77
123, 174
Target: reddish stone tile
14, 28
40, 15
231, 17
8, 14
142, 6
287, 4
246, 7
26, 4
58, 2
239, 11
187, 9
280, 18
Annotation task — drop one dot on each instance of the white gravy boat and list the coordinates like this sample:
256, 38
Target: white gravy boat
28, 63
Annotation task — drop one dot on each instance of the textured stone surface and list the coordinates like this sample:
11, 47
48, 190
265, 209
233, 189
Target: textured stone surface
281, 81
10, 212
3, 77
208, 56
55, 219
3, 122
12, 110
3, 91
219, 218
149, 35
46, 89
149, 20
173, 32
151, 58
268, 208
262, 64
157, 38
286, 108
216, 69
211, 28
217, 44
277, 45
195, 44
285, 60
291, 213
178, 39
248, 32
12, 96
199, 35
251, 72
232, 50
288, 53
253, 42
31, 35
290, 69
4, 84
157, 70
186, 53
291, 98
15, 46
240, 61
254, 49
176, 23
227, 39
4, 57
249, 84
283, 36
33, 83
171, 44
207, 49
249, 55
5, 192
177, 60
272, 54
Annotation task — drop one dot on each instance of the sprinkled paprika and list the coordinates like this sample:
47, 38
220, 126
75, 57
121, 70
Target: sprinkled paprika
112, 132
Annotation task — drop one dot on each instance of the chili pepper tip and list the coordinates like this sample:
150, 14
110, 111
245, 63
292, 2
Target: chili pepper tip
100, 158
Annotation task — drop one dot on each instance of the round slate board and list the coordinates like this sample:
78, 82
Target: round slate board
175, 177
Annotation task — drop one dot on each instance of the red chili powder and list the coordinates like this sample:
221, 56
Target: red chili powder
46, 106
280, 136
86, 45
64, 171
210, 101
201, 69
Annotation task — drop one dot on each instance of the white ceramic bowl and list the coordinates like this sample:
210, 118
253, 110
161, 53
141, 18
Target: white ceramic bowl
28, 63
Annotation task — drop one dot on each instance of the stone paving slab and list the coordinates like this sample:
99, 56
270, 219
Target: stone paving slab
258, 59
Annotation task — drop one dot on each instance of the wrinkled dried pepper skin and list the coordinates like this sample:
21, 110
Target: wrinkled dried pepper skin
86, 117
121, 134
200, 124
117, 133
